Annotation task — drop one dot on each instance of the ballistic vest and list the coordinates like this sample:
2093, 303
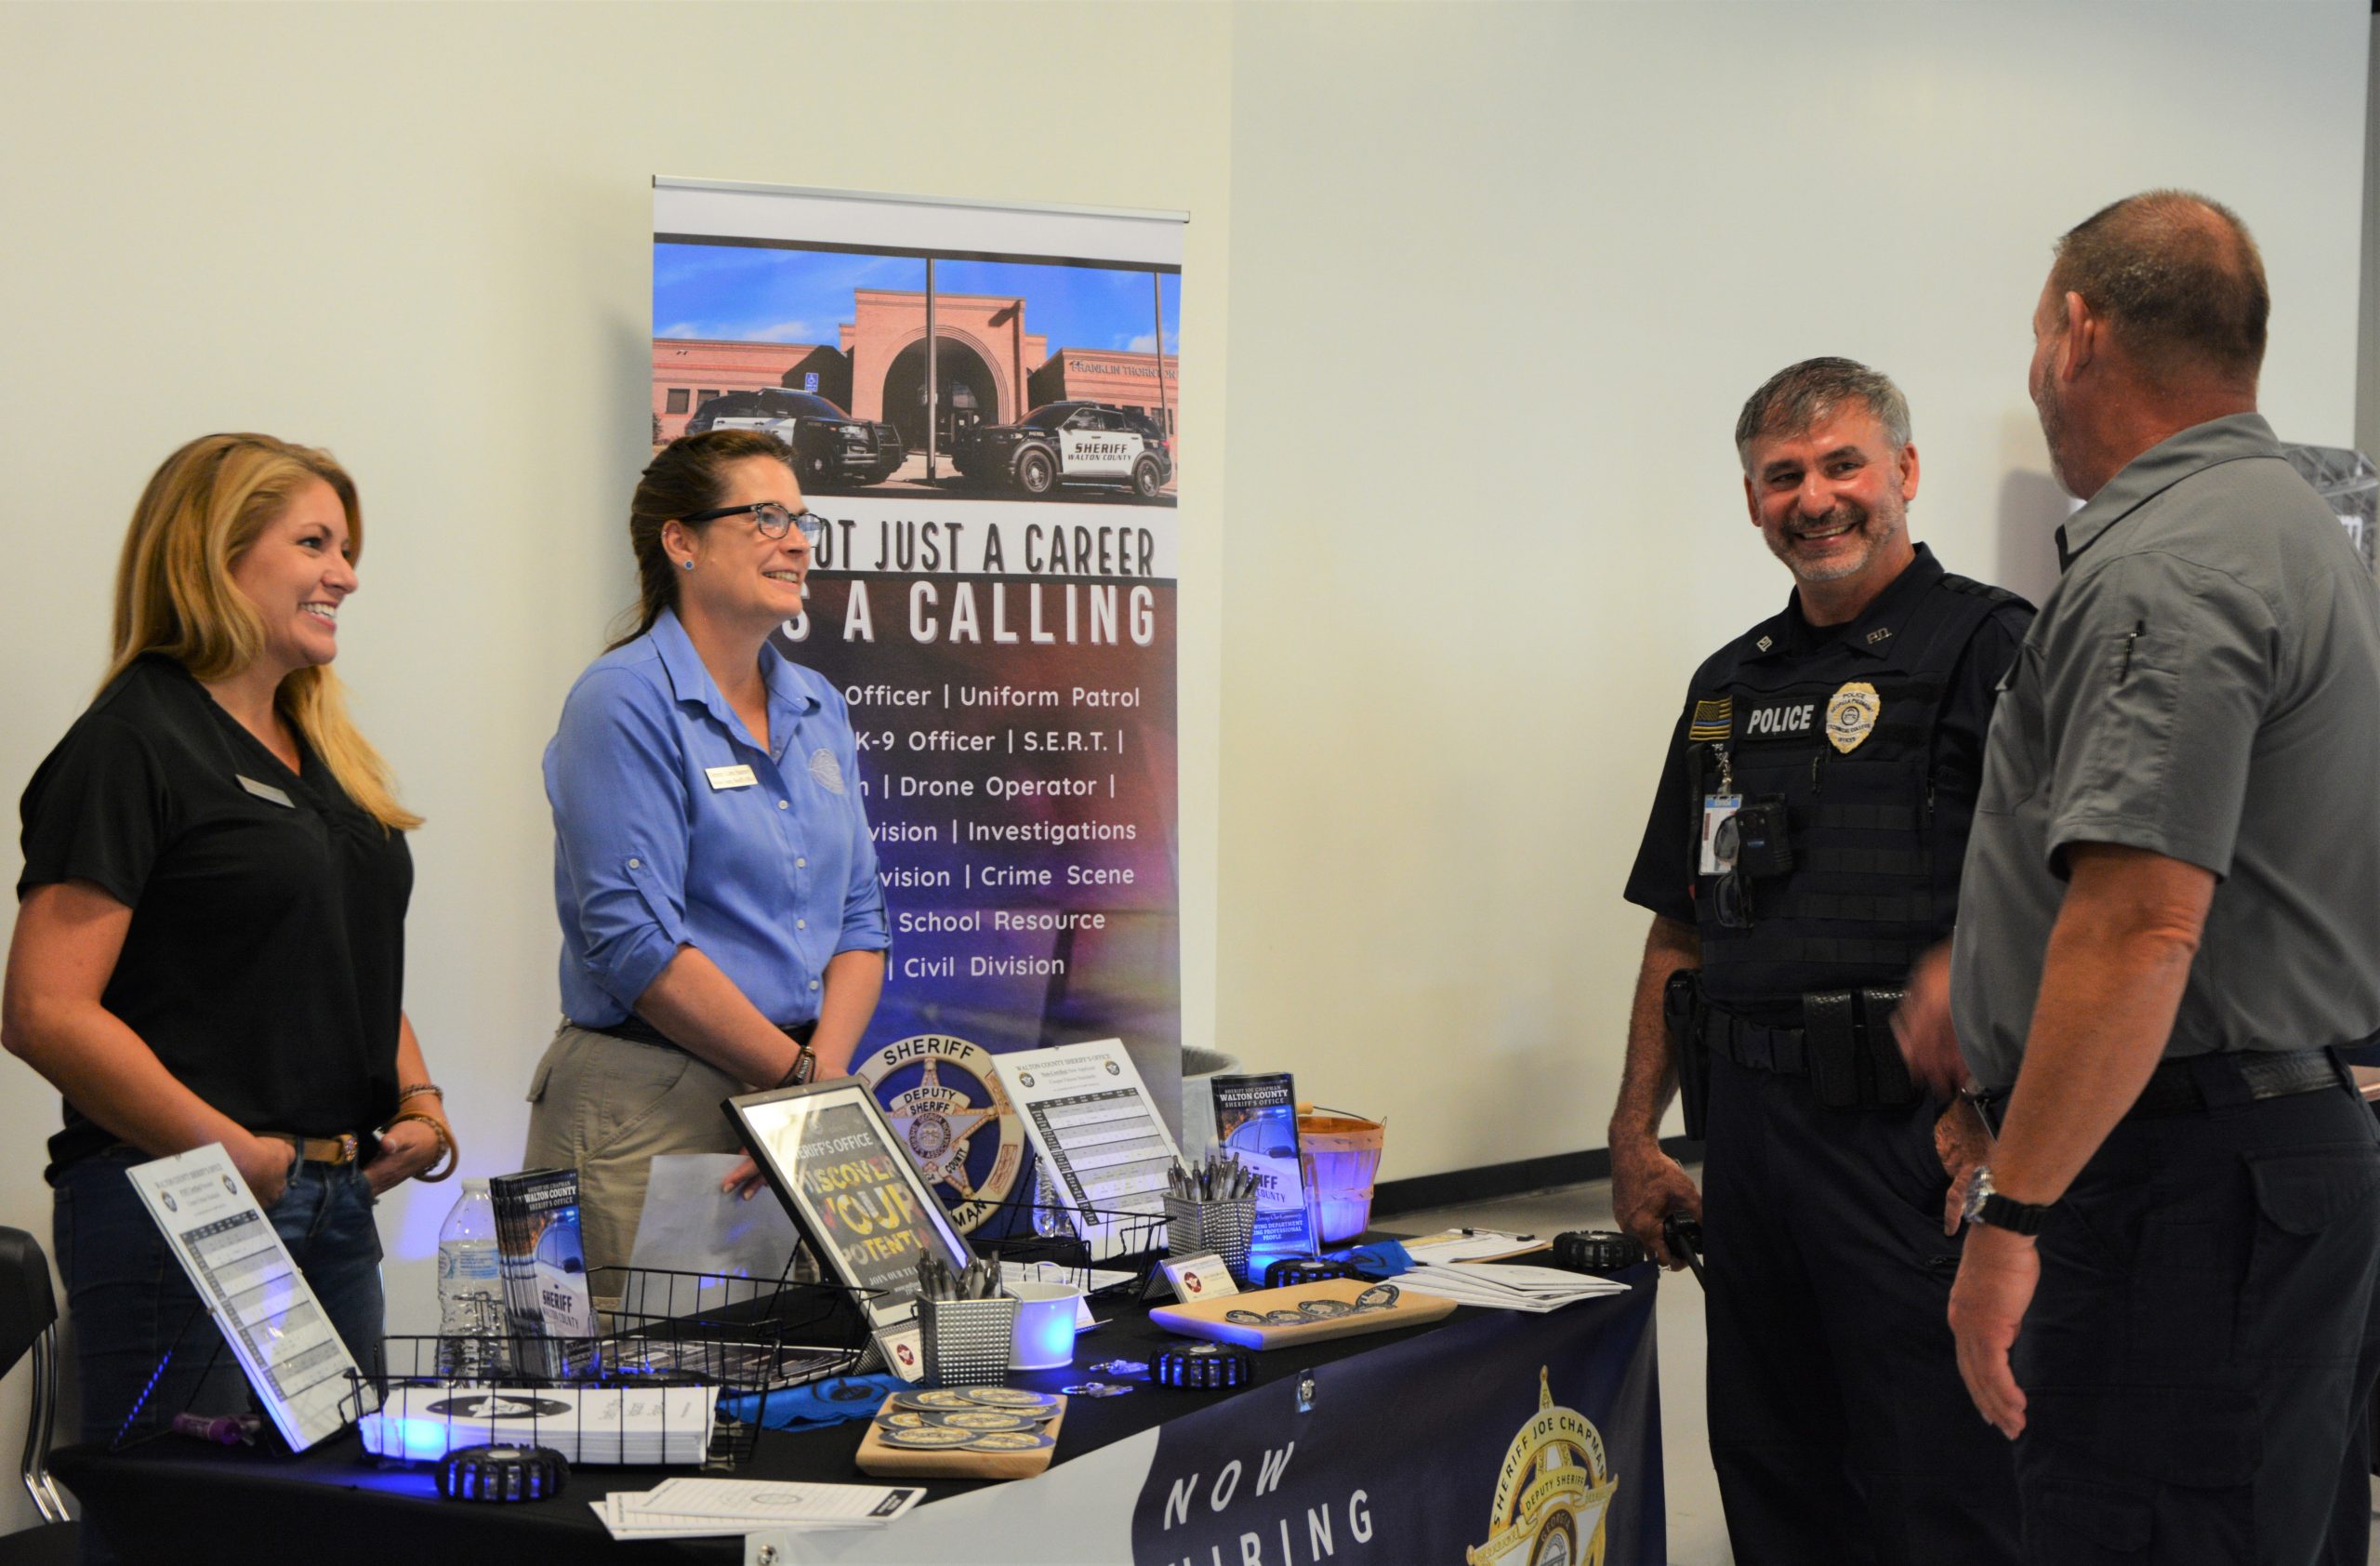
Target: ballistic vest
1844, 735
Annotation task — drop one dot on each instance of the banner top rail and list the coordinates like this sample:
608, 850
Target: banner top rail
889, 198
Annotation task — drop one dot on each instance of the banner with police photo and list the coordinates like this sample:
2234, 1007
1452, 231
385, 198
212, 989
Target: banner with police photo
1511, 1440
983, 404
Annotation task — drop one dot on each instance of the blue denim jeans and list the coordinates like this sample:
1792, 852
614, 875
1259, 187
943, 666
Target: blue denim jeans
130, 1301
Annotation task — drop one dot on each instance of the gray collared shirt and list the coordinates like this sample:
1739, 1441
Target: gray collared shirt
2203, 683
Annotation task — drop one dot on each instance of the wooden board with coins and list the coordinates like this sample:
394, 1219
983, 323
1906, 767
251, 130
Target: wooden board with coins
1307, 1313
980, 1432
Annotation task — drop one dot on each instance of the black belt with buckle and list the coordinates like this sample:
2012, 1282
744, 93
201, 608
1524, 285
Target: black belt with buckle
2212, 1082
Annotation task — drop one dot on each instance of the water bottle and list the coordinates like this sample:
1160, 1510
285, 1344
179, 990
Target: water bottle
472, 1345
1050, 1216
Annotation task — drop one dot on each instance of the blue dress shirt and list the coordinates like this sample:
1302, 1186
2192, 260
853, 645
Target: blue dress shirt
657, 844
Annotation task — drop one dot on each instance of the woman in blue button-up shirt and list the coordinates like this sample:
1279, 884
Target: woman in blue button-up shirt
713, 869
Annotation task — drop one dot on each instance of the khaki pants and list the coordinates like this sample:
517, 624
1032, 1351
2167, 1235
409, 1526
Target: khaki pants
604, 1107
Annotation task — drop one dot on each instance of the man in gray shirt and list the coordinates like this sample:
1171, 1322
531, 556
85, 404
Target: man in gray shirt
2167, 923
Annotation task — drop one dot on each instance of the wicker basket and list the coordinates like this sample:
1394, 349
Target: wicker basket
967, 1341
1345, 1151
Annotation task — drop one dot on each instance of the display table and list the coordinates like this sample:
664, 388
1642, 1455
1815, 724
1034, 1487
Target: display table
1479, 1438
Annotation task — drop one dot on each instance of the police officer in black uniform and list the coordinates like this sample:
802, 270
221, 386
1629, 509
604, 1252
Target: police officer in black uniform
1803, 856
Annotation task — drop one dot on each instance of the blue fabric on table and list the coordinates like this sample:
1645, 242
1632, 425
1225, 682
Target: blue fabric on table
1382, 1258
816, 1406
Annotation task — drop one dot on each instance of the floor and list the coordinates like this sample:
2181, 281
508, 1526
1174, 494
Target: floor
1697, 1532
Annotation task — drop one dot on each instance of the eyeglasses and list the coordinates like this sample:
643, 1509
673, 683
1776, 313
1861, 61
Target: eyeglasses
773, 520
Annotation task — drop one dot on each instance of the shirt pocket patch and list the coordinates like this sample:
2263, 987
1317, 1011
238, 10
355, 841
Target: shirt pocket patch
826, 770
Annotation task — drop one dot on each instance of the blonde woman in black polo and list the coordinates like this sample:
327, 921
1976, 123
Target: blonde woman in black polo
210, 945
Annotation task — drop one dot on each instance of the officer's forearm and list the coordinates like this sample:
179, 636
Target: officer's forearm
2112, 981
1649, 1078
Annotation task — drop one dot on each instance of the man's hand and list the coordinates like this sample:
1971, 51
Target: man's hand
266, 1163
1922, 1025
1997, 1277
1964, 1146
743, 1180
1646, 1186
406, 1149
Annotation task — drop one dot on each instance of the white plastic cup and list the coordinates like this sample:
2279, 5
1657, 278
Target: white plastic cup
1045, 1325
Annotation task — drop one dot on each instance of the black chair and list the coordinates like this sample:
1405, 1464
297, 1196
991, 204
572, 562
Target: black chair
29, 1330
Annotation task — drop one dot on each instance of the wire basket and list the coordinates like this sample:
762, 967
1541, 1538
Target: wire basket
1225, 1228
968, 1342
684, 1374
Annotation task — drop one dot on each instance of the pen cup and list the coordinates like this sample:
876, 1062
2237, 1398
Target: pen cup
1224, 1227
967, 1341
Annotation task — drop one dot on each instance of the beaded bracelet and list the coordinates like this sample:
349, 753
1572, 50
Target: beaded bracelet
415, 1090
447, 1152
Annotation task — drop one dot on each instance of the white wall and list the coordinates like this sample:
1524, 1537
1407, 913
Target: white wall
419, 236
1496, 279
1501, 277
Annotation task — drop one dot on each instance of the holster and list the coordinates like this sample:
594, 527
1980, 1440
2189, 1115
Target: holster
1853, 1058
1682, 1014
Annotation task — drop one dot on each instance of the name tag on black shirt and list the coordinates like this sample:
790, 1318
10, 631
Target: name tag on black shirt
266, 791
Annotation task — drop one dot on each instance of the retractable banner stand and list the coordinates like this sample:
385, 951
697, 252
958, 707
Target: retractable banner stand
983, 404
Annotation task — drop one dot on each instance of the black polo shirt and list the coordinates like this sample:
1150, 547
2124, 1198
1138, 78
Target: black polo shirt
1662, 878
265, 960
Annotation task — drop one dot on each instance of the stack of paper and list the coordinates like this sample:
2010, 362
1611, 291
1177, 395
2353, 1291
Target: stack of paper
586, 1425
1503, 1286
696, 1508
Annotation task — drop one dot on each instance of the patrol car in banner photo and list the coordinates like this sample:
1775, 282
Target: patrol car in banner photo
1069, 443
830, 448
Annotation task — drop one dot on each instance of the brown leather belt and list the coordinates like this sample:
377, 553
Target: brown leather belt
342, 1149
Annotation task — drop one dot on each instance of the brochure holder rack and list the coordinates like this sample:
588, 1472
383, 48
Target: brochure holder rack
682, 1374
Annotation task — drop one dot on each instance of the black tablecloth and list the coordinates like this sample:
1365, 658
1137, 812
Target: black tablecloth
180, 1501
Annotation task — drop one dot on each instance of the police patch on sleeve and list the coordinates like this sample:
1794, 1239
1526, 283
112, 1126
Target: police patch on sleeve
1712, 720
1851, 714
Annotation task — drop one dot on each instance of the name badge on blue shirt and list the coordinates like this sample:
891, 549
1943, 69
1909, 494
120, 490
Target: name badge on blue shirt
266, 791
730, 776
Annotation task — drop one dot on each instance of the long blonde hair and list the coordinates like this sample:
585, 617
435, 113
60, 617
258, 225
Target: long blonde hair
174, 592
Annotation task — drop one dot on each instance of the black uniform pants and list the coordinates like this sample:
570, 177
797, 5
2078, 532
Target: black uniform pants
2201, 1350
1839, 1426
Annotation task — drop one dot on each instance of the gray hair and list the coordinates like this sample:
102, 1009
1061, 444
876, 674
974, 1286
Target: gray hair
1799, 396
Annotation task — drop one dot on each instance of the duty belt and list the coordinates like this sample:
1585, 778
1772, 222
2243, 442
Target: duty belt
1845, 1046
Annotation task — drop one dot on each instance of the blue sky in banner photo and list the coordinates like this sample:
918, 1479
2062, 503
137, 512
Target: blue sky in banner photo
752, 294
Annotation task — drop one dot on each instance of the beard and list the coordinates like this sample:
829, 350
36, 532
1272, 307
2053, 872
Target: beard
2053, 433
1864, 532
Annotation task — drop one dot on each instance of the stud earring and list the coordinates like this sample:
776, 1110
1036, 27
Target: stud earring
690, 565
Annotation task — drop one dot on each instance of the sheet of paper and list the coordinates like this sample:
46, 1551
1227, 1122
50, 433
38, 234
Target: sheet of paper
690, 1226
294, 1359
1095, 1130
1537, 1280
766, 1502
1457, 1245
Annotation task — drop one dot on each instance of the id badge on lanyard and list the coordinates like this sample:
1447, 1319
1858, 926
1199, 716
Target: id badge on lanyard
1717, 807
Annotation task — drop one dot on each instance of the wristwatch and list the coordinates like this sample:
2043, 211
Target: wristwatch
1987, 1206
